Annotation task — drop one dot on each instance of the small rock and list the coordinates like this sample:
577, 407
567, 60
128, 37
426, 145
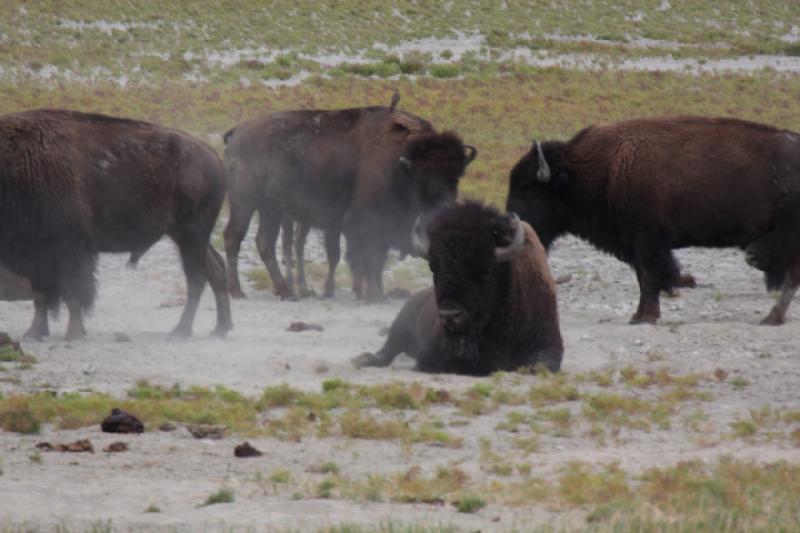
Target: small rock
121, 422
116, 447
204, 431
246, 450
303, 326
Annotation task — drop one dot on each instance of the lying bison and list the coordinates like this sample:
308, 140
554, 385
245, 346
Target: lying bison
75, 184
493, 304
639, 189
366, 171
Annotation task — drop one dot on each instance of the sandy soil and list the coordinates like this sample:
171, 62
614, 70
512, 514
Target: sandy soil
712, 326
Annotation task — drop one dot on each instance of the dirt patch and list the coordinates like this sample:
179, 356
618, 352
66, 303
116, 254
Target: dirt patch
710, 330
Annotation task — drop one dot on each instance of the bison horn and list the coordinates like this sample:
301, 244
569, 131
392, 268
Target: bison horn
507, 253
419, 238
543, 174
473, 153
404, 162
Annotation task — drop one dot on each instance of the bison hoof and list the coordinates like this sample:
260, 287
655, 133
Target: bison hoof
221, 331
636, 319
74, 335
34, 335
687, 281
773, 319
290, 298
365, 360
237, 294
180, 333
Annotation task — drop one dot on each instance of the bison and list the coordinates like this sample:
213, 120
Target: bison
367, 172
640, 188
74, 184
493, 303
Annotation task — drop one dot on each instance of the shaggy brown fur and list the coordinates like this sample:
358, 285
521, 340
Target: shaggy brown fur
339, 170
75, 184
640, 188
13, 287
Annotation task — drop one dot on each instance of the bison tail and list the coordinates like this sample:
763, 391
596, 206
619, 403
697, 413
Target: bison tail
226, 137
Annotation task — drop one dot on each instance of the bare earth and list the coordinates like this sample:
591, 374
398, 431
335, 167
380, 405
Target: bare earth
710, 327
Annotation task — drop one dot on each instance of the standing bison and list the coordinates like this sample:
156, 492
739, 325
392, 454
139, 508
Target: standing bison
639, 189
366, 171
75, 184
493, 304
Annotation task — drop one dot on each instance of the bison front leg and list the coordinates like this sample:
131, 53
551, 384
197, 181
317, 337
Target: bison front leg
235, 230
39, 327
75, 327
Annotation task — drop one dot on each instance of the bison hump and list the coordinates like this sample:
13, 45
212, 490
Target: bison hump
407, 122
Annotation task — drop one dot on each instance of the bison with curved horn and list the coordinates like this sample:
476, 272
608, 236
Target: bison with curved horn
74, 184
640, 188
367, 172
493, 303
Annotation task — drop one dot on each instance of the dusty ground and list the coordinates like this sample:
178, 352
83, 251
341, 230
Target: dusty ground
713, 326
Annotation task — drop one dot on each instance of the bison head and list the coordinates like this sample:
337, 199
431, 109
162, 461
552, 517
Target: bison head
537, 191
468, 248
435, 162
430, 168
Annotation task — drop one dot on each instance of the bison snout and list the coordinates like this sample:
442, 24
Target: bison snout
453, 319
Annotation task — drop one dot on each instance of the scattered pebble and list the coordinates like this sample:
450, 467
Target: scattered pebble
116, 447
204, 431
83, 445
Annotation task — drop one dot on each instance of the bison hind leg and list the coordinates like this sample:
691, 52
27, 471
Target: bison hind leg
657, 270
777, 314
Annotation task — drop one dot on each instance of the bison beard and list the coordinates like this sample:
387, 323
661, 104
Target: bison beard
453, 352
493, 303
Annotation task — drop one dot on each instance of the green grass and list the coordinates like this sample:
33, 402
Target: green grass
154, 42
223, 495
500, 114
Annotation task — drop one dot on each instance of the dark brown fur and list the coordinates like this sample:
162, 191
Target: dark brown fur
13, 287
640, 188
75, 184
338, 170
509, 309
